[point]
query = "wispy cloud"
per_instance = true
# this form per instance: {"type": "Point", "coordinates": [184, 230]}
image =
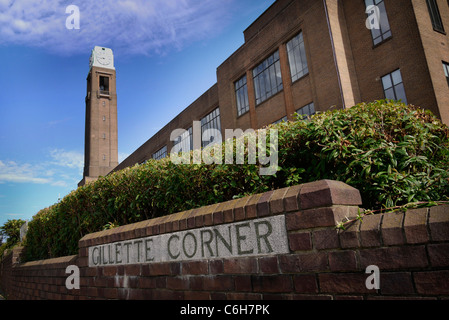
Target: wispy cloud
{"type": "Point", "coordinates": [63, 168]}
{"type": "Point", "coordinates": [20, 173]}
{"type": "Point", "coordinates": [128, 26]}
{"type": "Point", "coordinates": [68, 159]}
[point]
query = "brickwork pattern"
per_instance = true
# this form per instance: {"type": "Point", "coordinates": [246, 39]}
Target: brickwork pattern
{"type": "Point", "coordinates": [411, 250]}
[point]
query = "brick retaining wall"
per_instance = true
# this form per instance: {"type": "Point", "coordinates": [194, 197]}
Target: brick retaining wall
{"type": "Point", "coordinates": [411, 250]}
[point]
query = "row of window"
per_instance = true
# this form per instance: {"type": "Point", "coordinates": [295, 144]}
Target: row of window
{"type": "Point", "coordinates": [393, 87]}
{"type": "Point", "coordinates": [184, 142]}
{"type": "Point", "coordinates": [267, 76]}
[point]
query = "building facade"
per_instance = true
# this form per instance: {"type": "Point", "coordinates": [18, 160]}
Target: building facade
{"type": "Point", "coordinates": [310, 56]}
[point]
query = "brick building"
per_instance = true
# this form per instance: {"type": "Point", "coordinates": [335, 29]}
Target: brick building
{"type": "Point", "coordinates": [308, 56]}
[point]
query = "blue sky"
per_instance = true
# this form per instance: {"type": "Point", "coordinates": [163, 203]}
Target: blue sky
{"type": "Point", "coordinates": [158, 45]}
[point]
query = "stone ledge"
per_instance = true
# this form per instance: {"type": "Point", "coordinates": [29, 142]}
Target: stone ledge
{"type": "Point", "coordinates": [325, 193]}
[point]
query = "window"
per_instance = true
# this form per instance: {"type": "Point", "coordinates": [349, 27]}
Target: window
{"type": "Point", "coordinates": [306, 111]}
{"type": "Point", "coordinates": [297, 57]}
{"type": "Point", "coordinates": [435, 17]}
{"type": "Point", "coordinates": [211, 121]}
{"type": "Point", "coordinates": [104, 85]}
{"type": "Point", "coordinates": [241, 94]}
{"type": "Point", "coordinates": [160, 154]}
{"type": "Point", "coordinates": [393, 86]}
{"type": "Point", "coordinates": [184, 142]}
{"type": "Point", "coordinates": [267, 78]}
{"type": "Point", "coordinates": [380, 30]}
{"type": "Point", "coordinates": [446, 71]}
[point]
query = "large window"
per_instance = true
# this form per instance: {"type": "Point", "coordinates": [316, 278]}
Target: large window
{"type": "Point", "coordinates": [241, 94]}
{"type": "Point", "coordinates": [297, 57]}
{"type": "Point", "coordinates": [393, 86]}
{"type": "Point", "coordinates": [379, 25]}
{"type": "Point", "coordinates": [184, 142]}
{"type": "Point", "coordinates": [435, 16]}
{"type": "Point", "coordinates": [267, 78]}
{"type": "Point", "coordinates": [446, 71]}
{"type": "Point", "coordinates": [160, 154]}
{"type": "Point", "coordinates": [211, 121]}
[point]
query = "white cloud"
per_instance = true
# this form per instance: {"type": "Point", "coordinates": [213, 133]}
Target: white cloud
{"type": "Point", "coordinates": [20, 173]}
{"type": "Point", "coordinates": [128, 26]}
{"type": "Point", "coordinates": [68, 159]}
{"type": "Point", "coordinates": [65, 168]}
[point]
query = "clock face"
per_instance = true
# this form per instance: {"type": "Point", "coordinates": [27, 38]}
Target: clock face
{"type": "Point", "coordinates": [103, 58]}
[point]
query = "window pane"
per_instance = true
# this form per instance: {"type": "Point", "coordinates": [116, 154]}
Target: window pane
{"type": "Point", "coordinates": [396, 77]}
{"type": "Point", "coordinates": [211, 121]}
{"type": "Point", "coordinates": [241, 93]}
{"type": "Point", "coordinates": [297, 57]}
{"type": "Point", "coordinates": [160, 154]}
{"type": "Point", "coordinates": [446, 69]}
{"type": "Point", "coordinates": [400, 93]}
{"type": "Point", "coordinates": [389, 94]}
{"type": "Point", "coordinates": [386, 81]}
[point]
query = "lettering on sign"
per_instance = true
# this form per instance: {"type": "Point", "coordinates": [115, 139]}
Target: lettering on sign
{"type": "Point", "coordinates": [251, 238]}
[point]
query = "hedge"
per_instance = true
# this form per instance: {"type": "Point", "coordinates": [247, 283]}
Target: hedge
{"type": "Point", "coordinates": [393, 153]}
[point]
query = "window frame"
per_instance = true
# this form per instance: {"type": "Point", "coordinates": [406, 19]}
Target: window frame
{"type": "Point", "coordinates": [292, 57]}
{"type": "Point", "coordinates": [394, 86]}
{"type": "Point", "coordinates": [207, 121]}
{"type": "Point", "coordinates": [384, 34]}
{"type": "Point", "coordinates": [435, 16]}
{"type": "Point", "coordinates": [306, 115]}
{"type": "Point", "coordinates": [181, 140]}
{"type": "Point", "coordinates": [262, 75]}
{"type": "Point", "coordinates": [446, 71]}
{"type": "Point", "coordinates": [159, 154]}
{"type": "Point", "coordinates": [241, 93]}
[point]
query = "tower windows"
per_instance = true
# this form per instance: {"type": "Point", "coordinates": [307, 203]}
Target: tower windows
{"type": "Point", "coordinates": [104, 85]}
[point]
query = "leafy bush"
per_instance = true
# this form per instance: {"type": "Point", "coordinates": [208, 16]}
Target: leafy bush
{"type": "Point", "coordinates": [393, 153]}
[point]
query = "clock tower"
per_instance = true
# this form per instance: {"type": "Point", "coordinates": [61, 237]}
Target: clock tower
{"type": "Point", "coordinates": [101, 143]}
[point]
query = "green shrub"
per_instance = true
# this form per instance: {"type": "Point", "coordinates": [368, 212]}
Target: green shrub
{"type": "Point", "coordinates": [393, 153]}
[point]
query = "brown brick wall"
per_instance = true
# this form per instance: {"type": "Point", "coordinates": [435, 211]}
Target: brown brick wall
{"type": "Point", "coordinates": [410, 249]}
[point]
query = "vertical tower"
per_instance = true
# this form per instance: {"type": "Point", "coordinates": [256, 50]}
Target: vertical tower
{"type": "Point", "coordinates": [101, 143]}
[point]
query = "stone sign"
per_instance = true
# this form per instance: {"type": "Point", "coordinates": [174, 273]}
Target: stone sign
{"type": "Point", "coordinates": [265, 236]}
